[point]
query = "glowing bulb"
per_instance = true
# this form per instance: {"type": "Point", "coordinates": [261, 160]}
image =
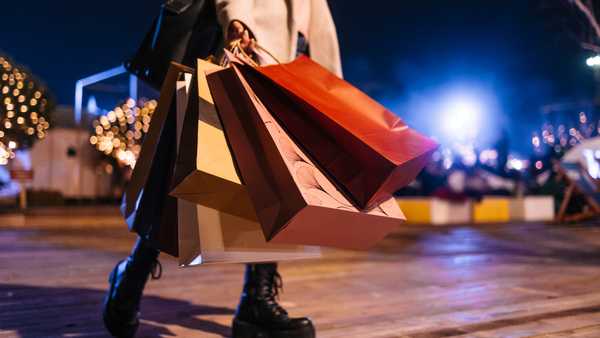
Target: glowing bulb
{"type": "Point", "coordinates": [461, 117]}
{"type": "Point", "coordinates": [593, 61]}
{"type": "Point", "coordinates": [517, 164]}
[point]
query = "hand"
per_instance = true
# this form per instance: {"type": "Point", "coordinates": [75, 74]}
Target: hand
{"type": "Point", "coordinates": [238, 31]}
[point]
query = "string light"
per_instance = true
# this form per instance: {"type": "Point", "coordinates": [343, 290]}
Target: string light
{"type": "Point", "coordinates": [24, 109]}
{"type": "Point", "coordinates": [119, 133]}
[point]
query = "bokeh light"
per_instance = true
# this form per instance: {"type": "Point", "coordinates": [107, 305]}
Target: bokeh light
{"type": "Point", "coordinates": [461, 117]}
{"type": "Point", "coordinates": [24, 109]}
{"type": "Point", "coordinates": [120, 132]}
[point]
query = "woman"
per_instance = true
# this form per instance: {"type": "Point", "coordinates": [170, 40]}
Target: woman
{"type": "Point", "coordinates": [286, 28]}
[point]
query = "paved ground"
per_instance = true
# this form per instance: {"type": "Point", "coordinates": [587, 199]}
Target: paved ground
{"type": "Point", "coordinates": [515, 280]}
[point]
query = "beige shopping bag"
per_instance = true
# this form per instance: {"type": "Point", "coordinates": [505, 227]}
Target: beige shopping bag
{"type": "Point", "coordinates": [217, 222]}
{"type": "Point", "coordinates": [226, 238]}
{"type": "Point", "coordinates": [205, 171]}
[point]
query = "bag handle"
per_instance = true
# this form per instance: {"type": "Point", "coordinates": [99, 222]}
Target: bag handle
{"type": "Point", "coordinates": [236, 48]}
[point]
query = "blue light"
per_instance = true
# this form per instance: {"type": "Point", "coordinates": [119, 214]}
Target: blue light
{"type": "Point", "coordinates": [92, 105]}
{"type": "Point", "coordinates": [461, 116]}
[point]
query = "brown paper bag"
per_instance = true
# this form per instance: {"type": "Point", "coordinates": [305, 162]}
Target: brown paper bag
{"type": "Point", "coordinates": [205, 172]}
{"type": "Point", "coordinates": [209, 185]}
{"type": "Point", "coordinates": [294, 201]}
{"type": "Point", "coordinates": [146, 206]}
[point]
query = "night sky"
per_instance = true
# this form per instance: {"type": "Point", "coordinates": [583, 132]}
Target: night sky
{"type": "Point", "coordinates": [407, 54]}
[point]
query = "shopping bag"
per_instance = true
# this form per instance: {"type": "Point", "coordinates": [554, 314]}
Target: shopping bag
{"type": "Point", "coordinates": [294, 201]}
{"type": "Point", "coordinates": [365, 149]}
{"type": "Point", "coordinates": [207, 178]}
{"type": "Point", "coordinates": [209, 236]}
{"type": "Point", "coordinates": [147, 207]}
{"type": "Point", "coordinates": [205, 171]}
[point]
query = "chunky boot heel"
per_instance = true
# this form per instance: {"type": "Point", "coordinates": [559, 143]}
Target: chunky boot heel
{"type": "Point", "coordinates": [242, 329]}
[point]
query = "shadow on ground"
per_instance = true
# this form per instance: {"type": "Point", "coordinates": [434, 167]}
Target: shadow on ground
{"type": "Point", "coordinates": [32, 311]}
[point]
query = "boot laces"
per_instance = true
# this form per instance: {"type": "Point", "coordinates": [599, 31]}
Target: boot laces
{"type": "Point", "coordinates": [156, 271]}
{"type": "Point", "coordinates": [273, 290]}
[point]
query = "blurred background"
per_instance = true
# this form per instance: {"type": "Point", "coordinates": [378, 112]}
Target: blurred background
{"type": "Point", "coordinates": [507, 87]}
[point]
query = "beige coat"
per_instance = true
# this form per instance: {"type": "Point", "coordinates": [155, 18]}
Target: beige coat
{"type": "Point", "coordinates": [272, 24]}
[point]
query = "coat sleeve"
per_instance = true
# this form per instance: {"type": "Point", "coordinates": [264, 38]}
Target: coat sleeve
{"type": "Point", "coordinates": [231, 10]}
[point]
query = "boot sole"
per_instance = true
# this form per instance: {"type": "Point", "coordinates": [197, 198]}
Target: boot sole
{"type": "Point", "coordinates": [305, 332]}
{"type": "Point", "coordinates": [242, 329]}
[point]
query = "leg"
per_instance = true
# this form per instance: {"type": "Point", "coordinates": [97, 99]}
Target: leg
{"type": "Point", "coordinates": [565, 203]}
{"type": "Point", "coordinates": [126, 285]}
{"type": "Point", "coordinates": [259, 315]}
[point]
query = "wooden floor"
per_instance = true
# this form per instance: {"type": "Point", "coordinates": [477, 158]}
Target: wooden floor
{"type": "Point", "coordinates": [495, 281]}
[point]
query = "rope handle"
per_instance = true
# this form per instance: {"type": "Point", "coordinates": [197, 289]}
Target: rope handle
{"type": "Point", "coordinates": [236, 48]}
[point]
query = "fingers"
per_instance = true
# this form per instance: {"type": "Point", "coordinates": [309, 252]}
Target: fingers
{"type": "Point", "coordinates": [252, 44]}
{"type": "Point", "coordinates": [245, 43]}
{"type": "Point", "coordinates": [236, 30]}
{"type": "Point", "coordinates": [240, 29]}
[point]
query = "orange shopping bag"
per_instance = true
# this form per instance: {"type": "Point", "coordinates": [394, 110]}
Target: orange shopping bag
{"type": "Point", "coordinates": [365, 149]}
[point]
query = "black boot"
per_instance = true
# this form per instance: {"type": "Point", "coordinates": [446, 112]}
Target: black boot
{"type": "Point", "coordinates": [126, 285]}
{"type": "Point", "coordinates": [259, 315]}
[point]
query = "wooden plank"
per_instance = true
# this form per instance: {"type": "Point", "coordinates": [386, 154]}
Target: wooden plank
{"type": "Point", "coordinates": [491, 281]}
{"type": "Point", "coordinates": [591, 331]}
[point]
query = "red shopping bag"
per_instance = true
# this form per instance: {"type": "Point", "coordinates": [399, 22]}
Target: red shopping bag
{"type": "Point", "coordinates": [368, 151]}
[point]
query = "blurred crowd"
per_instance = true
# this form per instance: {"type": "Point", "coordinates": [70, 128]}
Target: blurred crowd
{"type": "Point", "coordinates": [460, 171]}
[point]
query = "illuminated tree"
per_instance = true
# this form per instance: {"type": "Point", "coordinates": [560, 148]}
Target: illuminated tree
{"type": "Point", "coordinates": [120, 132]}
{"type": "Point", "coordinates": [24, 109]}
